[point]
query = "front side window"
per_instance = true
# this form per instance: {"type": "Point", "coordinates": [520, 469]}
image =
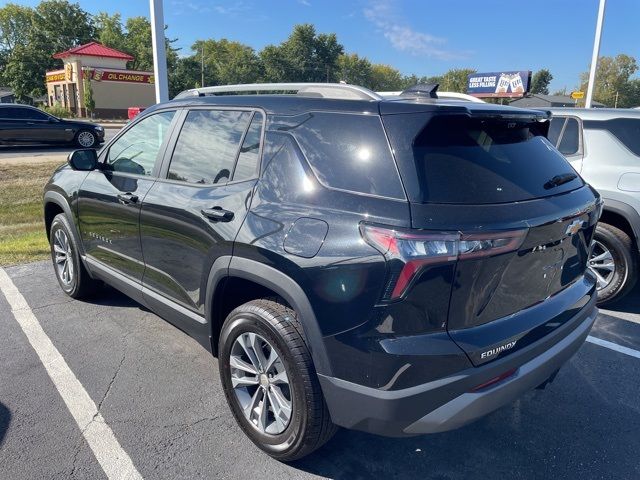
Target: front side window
{"type": "Point", "coordinates": [207, 147]}
{"type": "Point", "coordinates": [137, 149]}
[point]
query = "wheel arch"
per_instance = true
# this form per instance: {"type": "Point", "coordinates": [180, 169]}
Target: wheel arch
{"type": "Point", "coordinates": [622, 216]}
{"type": "Point", "coordinates": [230, 275]}
{"type": "Point", "coordinates": [54, 204]}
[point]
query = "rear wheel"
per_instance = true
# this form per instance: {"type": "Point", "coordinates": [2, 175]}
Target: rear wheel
{"type": "Point", "coordinates": [614, 262]}
{"type": "Point", "coordinates": [70, 271]}
{"type": "Point", "coordinates": [270, 382]}
{"type": "Point", "coordinates": [86, 139]}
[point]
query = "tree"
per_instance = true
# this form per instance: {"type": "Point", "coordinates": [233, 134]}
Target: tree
{"type": "Point", "coordinates": [541, 81]}
{"type": "Point", "coordinates": [303, 57]}
{"type": "Point", "coordinates": [354, 69]}
{"type": "Point", "coordinates": [30, 36]}
{"type": "Point", "coordinates": [184, 76]}
{"type": "Point", "coordinates": [456, 80]}
{"type": "Point", "coordinates": [89, 102]}
{"type": "Point", "coordinates": [227, 62]}
{"type": "Point", "coordinates": [385, 78]}
{"type": "Point", "coordinates": [109, 31]}
{"type": "Point", "coordinates": [613, 85]}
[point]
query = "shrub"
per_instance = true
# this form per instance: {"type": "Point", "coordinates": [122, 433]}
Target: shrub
{"type": "Point", "coordinates": [58, 111]}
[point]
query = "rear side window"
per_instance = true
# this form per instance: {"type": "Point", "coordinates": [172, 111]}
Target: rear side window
{"type": "Point", "coordinates": [463, 160]}
{"type": "Point", "coordinates": [555, 129]}
{"type": "Point", "coordinates": [23, 114]}
{"type": "Point", "coordinates": [249, 157]}
{"type": "Point", "coordinates": [207, 147]}
{"type": "Point", "coordinates": [348, 152]}
{"type": "Point", "coordinates": [627, 130]}
{"type": "Point", "coordinates": [570, 143]}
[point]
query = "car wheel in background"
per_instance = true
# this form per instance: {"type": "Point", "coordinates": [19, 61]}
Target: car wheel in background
{"type": "Point", "coordinates": [614, 262]}
{"type": "Point", "coordinates": [270, 382]}
{"type": "Point", "coordinates": [70, 271]}
{"type": "Point", "coordinates": [86, 139]}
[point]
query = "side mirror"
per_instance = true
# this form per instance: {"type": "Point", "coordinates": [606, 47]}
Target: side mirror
{"type": "Point", "coordinates": [84, 160]}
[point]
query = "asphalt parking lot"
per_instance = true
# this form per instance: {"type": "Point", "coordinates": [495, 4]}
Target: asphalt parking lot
{"type": "Point", "coordinates": [159, 392]}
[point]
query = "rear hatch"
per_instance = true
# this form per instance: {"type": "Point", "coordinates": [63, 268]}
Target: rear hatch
{"type": "Point", "coordinates": [524, 219]}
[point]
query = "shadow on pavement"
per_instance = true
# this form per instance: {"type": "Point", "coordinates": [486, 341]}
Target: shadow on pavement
{"type": "Point", "coordinates": [628, 304]}
{"type": "Point", "coordinates": [5, 420]}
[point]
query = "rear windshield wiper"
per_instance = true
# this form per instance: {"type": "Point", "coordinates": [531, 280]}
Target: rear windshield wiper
{"type": "Point", "coordinates": [560, 180]}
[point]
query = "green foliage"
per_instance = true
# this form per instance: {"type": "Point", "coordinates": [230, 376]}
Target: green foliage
{"type": "Point", "coordinates": [226, 62]}
{"type": "Point", "coordinates": [613, 79]}
{"type": "Point", "coordinates": [59, 111]}
{"type": "Point", "coordinates": [541, 81]}
{"type": "Point", "coordinates": [303, 57]}
{"type": "Point", "coordinates": [89, 102]}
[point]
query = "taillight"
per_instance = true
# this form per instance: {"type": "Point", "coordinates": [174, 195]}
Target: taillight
{"type": "Point", "coordinates": [415, 249]}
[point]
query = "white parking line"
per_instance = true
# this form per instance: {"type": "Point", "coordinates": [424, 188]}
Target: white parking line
{"type": "Point", "coordinates": [629, 317]}
{"type": "Point", "coordinates": [614, 346]}
{"type": "Point", "coordinates": [110, 455]}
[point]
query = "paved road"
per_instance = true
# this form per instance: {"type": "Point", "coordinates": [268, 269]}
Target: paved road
{"type": "Point", "coordinates": [44, 153]}
{"type": "Point", "coordinates": [159, 392]}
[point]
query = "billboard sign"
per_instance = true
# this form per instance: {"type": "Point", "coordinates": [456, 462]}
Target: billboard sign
{"type": "Point", "coordinates": [499, 84]}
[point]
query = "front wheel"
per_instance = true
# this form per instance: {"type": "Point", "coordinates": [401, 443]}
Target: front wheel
{"type": "Point", "coordinates": [270, 381]}
{"type": "Point", "coordinates": [613, 261]}
{"type": "Point", "coordinates": [70, 271]}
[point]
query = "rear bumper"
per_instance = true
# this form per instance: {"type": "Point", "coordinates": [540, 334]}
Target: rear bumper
{"type": "Point", "coordinates": [449, 402]}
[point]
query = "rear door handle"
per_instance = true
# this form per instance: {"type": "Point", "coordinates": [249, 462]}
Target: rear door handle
{"type": "Point", "coordinates": [217, 214]}
{"type": "Point", "coordinates": [127, 198]}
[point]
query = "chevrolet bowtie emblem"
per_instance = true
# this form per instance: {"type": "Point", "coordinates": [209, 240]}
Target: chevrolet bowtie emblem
{"type": "Point", "coordinates": [574, 227]}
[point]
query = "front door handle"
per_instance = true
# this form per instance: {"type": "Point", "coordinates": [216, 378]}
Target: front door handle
{"type": "Point", "coordinates": [127, 198]}
{"type": "Point", "coordinates": [217, 214]}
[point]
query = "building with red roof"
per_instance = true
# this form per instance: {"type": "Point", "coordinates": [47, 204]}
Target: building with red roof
{"type": "Point", "coordinates": [103, 70]}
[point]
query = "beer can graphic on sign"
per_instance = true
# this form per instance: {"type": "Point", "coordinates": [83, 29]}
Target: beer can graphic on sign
{"type": "Point", "coordinates": [516, 83]}
{"type": "Point", "coordinates": [503, 84]}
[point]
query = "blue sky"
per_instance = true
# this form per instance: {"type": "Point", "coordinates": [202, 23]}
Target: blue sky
{"type": "Point", "coordinates": [424, 37]}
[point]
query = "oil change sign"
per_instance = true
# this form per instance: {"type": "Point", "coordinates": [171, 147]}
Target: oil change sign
{"type": "Point", "coordinates": [100, 75]}
{"type": "Point", "coordinates": [499, 84]}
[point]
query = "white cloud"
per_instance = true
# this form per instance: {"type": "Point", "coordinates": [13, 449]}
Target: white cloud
{"type": "Point", "coordinates": [404, 38]}
{"type": "Point", "coordinates": [306, 3]}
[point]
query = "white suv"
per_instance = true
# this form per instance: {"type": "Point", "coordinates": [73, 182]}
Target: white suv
{"type": "Point", "coordinates": [603, 145]}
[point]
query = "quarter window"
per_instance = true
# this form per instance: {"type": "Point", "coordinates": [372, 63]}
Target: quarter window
{"type": "Point", "coordinates": [555, 129]}
{"type": "Point", "coordinates": [137, 149]}
{"type": "Point", "coordinates": [627, 130]}
{"type": "Point", "coordinates": [207, 147]}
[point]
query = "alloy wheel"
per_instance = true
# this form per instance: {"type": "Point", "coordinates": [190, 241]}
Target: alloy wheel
{"type": "Point", "coordinates": [601, 264]}
{"type": "Point", "coordinates": [62, 256]}
{"type": "Point", "coordinates": [86, 139]}
{"type": "Point", "coordinates": [260, 383]}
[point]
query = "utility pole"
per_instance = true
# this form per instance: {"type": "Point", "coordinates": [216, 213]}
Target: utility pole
{"type": "Point", "coordinates": [596, 54]}
{"type": "Point", "coordinates": [159, 51]}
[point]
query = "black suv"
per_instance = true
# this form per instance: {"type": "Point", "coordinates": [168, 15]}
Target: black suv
{"type": "Point", "coordinates": [400, 266]}
{"type": "Point", "coordinates": [22, 125]}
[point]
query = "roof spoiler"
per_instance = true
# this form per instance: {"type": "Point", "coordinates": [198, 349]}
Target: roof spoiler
{"type": "Point", "coordinates": [421, 90]}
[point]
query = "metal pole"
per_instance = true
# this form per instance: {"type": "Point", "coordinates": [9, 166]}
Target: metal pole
{"type": "Point", "coordinates": [202, 65]}
{"type": "Point", "coordinates": [159, 52]}
{"type": "Point", "coordinates": [596, 54]}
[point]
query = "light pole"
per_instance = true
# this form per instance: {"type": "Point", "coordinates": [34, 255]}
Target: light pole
{"type": "Point", "coordinates": [595, 55]}
{"type": "Point", "coordinates": [159, 51]}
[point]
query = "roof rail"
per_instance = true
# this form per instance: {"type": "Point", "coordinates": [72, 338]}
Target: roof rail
{"type": "Point", "coordinates": [340, 91]}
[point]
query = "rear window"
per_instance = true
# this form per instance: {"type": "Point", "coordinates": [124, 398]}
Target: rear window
{"type": "Point", "coordinates": [627, 130]}
{"type": "Point", "coordinates": [348, 152]}
{"type": "Point", "coordinates": [463, 160]}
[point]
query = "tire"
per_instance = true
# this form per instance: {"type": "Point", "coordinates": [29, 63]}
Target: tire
{"type": "Point", "coordinates": [275, 328]}
{"type": "Point", "coordinates": [86, 139]}
{"type": "Point", "coordinates": [612, 286]}
{"type": "Point", "coordinates": [71, 273]}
